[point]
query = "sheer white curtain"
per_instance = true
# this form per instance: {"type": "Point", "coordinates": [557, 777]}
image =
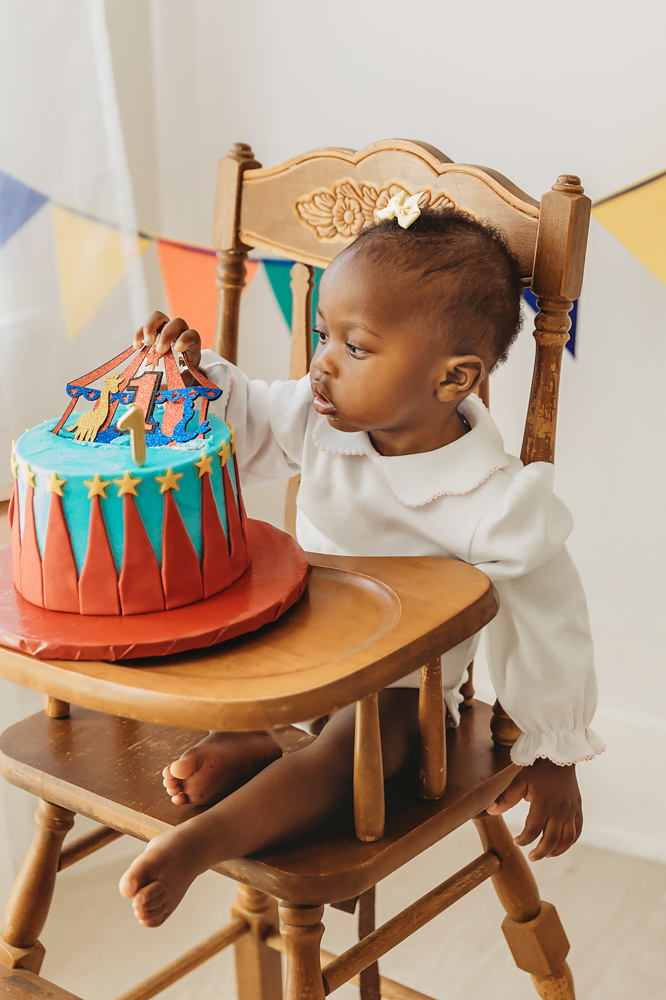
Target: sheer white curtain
{"type": "Point", "coordinates": [60, 134]}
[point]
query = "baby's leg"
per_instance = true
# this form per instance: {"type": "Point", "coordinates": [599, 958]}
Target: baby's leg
{"type": "Point", "coordinates": [217, 765]}
{"type": "Point", "coordinates": [290, 797]}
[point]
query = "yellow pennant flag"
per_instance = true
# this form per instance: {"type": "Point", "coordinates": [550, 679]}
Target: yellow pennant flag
{"type": "Point", "coordinates": [92, 259]}
{"type": "Point", "coordinates": [637, 218]}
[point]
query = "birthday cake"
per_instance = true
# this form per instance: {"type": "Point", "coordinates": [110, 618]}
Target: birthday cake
{"type": "Point", "coordinates": [133, 506]}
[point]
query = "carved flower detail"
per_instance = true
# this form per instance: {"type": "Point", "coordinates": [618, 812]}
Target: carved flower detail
{"type": "Point", "coordinates": [341, 211]}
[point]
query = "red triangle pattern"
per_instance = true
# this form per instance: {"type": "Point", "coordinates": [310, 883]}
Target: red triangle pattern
{"type": "Point", "coordinates": [246, 537]}
{"type": "Point", "coordinates": [61, 589]}
{"type": "Point", "coordinates": [98, 583]}
{"type": "Point", "coordinates": [238, 554]}
{"type": "Point", "coordinates": [140, 583]}
{"type": "Point", "coordinates": [15, 526]}
{"type": "Point", "coordinates": [215, 562]}
{"type": "Point", "coordinates": [31, 562]}
{"type": "Point", "coordinates": [181, 575]}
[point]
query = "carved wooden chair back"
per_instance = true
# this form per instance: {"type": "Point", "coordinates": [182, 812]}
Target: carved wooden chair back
{"type": "Point", "coordinates": [309, 208]}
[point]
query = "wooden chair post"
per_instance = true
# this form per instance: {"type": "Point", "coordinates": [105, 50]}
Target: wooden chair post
{"type": "Point", "coordinates": [368, 772]}
{"type": "Point", "coordinates": [432, 731]}
{"type": "Point", "coordinates": [231, 273]}
{"type": "Point", "coordinates": [55, 708]}
{"type": "Point", "coordinates": [302, 930]}
{"type": "Point", "coordinates": [559, 262]}
{"type": "Point", "coordinates": [258, 967]}
{"type": "Point", "coordinates": [302, 287]}
{"type": "Point", "coordinates": [531, 927]}
{"type": "Point", "coordinates": [30, 898]}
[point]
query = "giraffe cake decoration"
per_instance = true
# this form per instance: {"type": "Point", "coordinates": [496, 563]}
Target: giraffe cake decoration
{"type": "Point", "coordinates": [132, 506]}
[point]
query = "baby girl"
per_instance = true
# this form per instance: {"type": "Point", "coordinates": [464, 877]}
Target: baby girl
{"type": "Point", "coordinates": [397, 456]}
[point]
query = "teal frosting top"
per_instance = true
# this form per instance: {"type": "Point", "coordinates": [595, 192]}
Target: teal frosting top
{"type": "Point", "coordinates": [77, 461]}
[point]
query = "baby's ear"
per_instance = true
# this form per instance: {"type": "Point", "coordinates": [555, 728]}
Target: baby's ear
{"type": "Point", "coordinates": [460, 376]}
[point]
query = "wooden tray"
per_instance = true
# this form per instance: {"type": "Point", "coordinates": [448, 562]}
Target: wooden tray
{"type": "Point", "coordinates": [361, 624]}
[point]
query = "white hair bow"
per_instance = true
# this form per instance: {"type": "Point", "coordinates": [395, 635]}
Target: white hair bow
{"type": "Point", "coordinates": [402, 208]}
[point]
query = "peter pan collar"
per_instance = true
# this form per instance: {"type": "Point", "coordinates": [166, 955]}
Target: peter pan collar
{"type": "Point", "coordinates": [415, 480]}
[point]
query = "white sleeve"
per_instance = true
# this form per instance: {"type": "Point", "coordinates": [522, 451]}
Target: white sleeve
{"type": "Point", "coordinates": [270, 421]}
{"type": "Point", "coordinates": [539, 645]}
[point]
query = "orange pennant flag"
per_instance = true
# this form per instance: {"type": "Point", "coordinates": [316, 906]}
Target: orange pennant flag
{"type": "Point", "coordinates": [188, 273]}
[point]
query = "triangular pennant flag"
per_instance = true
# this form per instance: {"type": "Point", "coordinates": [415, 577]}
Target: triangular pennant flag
{"type": "Point", "coordinates": [92, 260]}
{"type": "Point", "coordinates": [637, 218]}
{"type": "Point", "coordinates": [531, 300]}
{"type": "Point", "coordinates": [18, 204]}
{"type": "Point", "coordinates": [188, 273]}
{"type": "Point", "coordinates": [278, 273]}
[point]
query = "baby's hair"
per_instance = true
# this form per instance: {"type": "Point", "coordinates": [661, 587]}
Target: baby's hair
{"type": "Point", "coordinates": [478, 309]}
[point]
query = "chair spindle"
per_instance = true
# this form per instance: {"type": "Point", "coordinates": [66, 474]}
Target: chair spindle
{"type": "Point", "coordinates": [368, 772]}
{"type": "Point", "coordinates": [302, 287]}
{"type": "Point", "coordinates": [432, 731]}
{"type": "Point", "coordinates": [230, 277]}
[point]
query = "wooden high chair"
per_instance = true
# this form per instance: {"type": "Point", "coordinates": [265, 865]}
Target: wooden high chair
{"type": "Point", "coordinates": [108, 766]}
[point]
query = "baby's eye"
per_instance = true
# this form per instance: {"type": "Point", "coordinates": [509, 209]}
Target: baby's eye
{"type": "Point", "coordinates": [320, 335]}
{"type": "Point", "coordinates": [355, 351]}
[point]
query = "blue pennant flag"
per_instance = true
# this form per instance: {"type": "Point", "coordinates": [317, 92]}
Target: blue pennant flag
{"type": "Point", "coordinates": [531, 300]}
{"type": "Point", "coordinates": [18, 204]}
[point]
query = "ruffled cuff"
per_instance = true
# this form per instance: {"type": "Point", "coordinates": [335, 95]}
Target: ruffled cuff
{"type": "Point", "coordinates": [562, 748]}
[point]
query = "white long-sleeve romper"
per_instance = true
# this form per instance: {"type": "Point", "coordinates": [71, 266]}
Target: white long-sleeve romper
{"type": "Point", "coordinates": [469, 500]}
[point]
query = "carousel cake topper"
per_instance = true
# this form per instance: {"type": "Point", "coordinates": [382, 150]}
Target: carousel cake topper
{"type": "Point", "coordinates": [139, 387]}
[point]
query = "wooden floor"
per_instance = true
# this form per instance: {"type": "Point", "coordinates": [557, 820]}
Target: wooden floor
{"type": "Point", "coordinates": [613, 907]}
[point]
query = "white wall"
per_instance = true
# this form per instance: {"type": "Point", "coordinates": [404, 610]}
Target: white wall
{"type": "Point", "coordinates": [534, 90]}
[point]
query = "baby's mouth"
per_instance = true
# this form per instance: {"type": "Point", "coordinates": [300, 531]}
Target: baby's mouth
{"type": "Point", "coordinates": [322, 404]}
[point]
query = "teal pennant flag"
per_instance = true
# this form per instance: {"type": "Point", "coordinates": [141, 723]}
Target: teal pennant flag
{"type": "Point", "coordinates": [18, 204]}
{"type": "Point", "coordinates": [277, 272]}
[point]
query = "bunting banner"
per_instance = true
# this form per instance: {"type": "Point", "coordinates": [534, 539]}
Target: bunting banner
{"type": "Point", "coordinates": [18, 204]}
{"type": "Point", "coordinates": [278, 274]}
{"type": "Point", "coordinates": [92, 259]}
{"type": "Point", "coordinates": [636, 216]}
{"type": "Point", "coordinates": [93, 256]}
{"type": "Point", "coordinates": [188, 274]}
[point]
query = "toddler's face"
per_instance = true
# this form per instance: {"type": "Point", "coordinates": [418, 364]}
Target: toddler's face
{"type": "Point", "coordinates": [374, 368]}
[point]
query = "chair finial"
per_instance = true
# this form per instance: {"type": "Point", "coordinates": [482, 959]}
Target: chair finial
{"type": "Point", "coordinates": [569, 183]}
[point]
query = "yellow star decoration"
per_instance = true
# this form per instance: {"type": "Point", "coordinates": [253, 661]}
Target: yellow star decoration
{"type": "Point", "coordinates": [97, 486]}
{"type": "Point", "coordinates": [205, 464]}
{"type": "Point", "coordinates": [127, 484]}
{"type": "Point", "coordinates": [53, 484]}
{"type": "Point", "coordinates": [14, 463]}
{"type": "Point", "coordinates": [29, 475]}
{"type": "Point", "coordinates": [169, 481]}
{"type": "Point", "coordinates": [223, 453]}
{"type": "Point", "coordinates": [232, 438]}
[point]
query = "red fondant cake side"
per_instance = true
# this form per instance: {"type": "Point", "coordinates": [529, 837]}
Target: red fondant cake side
{"type": "Point", "coordinates": [15, 527]}
{"type": "Point", "coordinates": [181, 575]}
{"type": "Point", "coordinates": [31, 562]}
{"type": "Point", "coordinates": [215, 562]}
{"type": "Point", "coordinates": [61, 587]}
{"type": "Point", "coordinates": [98, 584]}
{"type": "Point", "coordinates": [140, 582]}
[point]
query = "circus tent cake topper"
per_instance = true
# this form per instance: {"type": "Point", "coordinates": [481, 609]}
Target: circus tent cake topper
{"type": "Point", "coordinates": [170, 414]}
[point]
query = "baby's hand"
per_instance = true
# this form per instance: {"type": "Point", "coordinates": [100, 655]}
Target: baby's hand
{"type": "Point", "coordinates": [555, 807]}
{"type": "Point", "coordinates": [166, 333]}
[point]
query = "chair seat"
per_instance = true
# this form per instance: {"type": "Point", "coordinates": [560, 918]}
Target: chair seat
{"type": "Point", "coordinates": [110, 769]}
{"type": "Point", "coordinates": [17, 984]}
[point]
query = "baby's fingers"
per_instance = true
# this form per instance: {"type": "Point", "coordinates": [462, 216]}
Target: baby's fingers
{"type": "Point", "coordinates": [148, 333]}
{"type": "Point", "coordinates": [170, 333]}
{"type": "Point", "coordinates": [509, 797]}
{"type": "Point", "coordinates": [568, 836]}
{"type": "Point", "coordinates": [548, 846]}
{"type": "Point", "coordinates": [534, 825]}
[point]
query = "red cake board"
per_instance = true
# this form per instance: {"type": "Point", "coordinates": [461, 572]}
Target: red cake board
{"type": "Point", "coordinates": [275, 579]}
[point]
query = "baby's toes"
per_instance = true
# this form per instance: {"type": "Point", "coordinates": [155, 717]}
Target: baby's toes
{"type": "Point", "coordinates": [184, 768]}
{"type": "Point", "coordinates": [155, 919]}
{"type": "Point", "coordinates": [180, 799]}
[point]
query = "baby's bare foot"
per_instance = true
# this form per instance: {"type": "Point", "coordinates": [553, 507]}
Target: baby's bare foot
{"type": "Point", "coordinates": [159, 878]}
{"type": "Point", "coordinates": [217, 765]}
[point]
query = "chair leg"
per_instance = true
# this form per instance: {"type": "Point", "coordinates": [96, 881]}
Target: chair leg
{"type": "Point", "coordinates": [258, 967]}
{"type": "Point", "coordinates": [532, 927]}
{"type": "Point", "coordinates": [302, 929]}
{"type": "Point", "coordinates": [30, 898]}
{"type": "Point", "coordinates": [366, 924]}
